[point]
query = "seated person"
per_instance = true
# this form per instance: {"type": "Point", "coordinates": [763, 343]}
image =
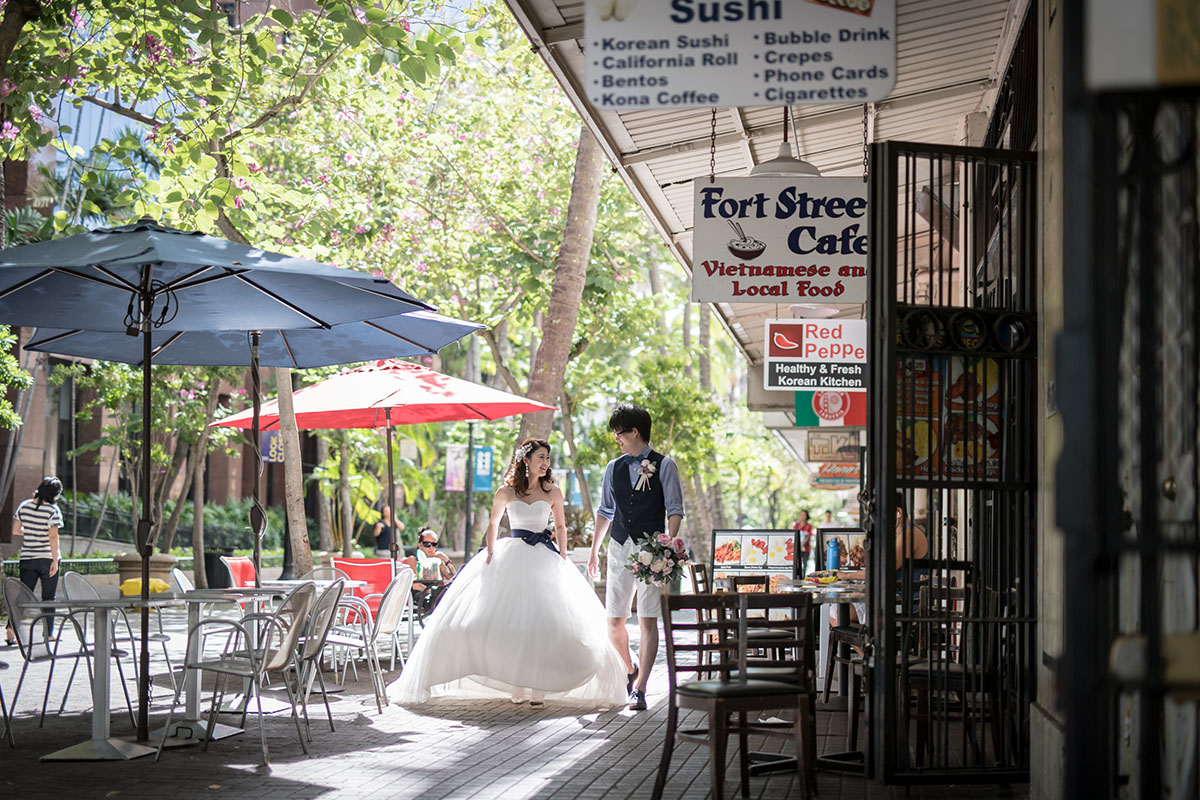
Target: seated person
{"type": "Point", "coordinates": [911, 545]}
{"type": "Point", "coordinates": [428, 555]}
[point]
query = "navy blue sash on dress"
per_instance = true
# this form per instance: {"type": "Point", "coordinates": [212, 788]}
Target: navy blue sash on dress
{"type": "Point", "coordinates": [533, 539]}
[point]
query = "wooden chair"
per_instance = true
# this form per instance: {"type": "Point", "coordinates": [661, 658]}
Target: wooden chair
{"type": "Point", "coordinates": [701, 584]}
{"type": "Point", "coordinates": [751, 583]}
{"type": "Point", "coordinates": [713, 651]}
{"type": "Point", "coordinates": [949, 671]}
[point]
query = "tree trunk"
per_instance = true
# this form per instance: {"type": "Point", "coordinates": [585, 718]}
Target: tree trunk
{"type": "Point", "coordinates": [687, 336]}
{"type": "Point", "coordinates": [167, 538]}
{"type": "Point", "coordinates": [569, 435]}
{"type": "Point", "coordinates": [344, 497]}
{"type": "Point", "coordinates": [324, 526]}
{"type": "Point", "coordinates": [655, 290]}
{"type": "Point", "coordinates": [199, 465]}
{"type": "Point", "coordinates": [293, 474]}
{"type": "Point", "coordinates": [702, 509]}
{"type": "Point", "coordinates": [710, 496]}
{"type": "Point", "coordinates": [199, 576]}
{"type": "Point", "coordinates": [558, 332]}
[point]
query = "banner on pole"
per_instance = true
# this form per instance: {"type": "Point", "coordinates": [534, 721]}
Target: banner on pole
{"type": "Point", "coordinates": [456, 467]}
{"type": "Point", "coordinates": [272, 447]}
{"type": "Point", "coordinates": [483, 469]}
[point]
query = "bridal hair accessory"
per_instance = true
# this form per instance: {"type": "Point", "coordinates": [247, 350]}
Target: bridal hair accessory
{"type": "Point", "coordinates": [524, 450]}
{"type": "Point", "coordinates": [645, 473]}
{"type": "Point", "coordinates": [660, 560]}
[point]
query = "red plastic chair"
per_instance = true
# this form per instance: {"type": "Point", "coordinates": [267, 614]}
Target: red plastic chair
{"type": "Point", "coordinates": [241, 570]}
{"type": "Point", "coordinates": [375, 572]}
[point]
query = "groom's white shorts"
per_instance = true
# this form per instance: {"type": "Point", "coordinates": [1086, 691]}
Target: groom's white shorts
{"type": "Point", "coordinates": [620, 585]}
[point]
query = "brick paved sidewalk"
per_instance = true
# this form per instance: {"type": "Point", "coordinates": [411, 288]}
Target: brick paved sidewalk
{"type": "Point", "coordinates": [451, 749]}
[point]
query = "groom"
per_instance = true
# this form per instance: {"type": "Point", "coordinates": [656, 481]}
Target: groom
{"type": "Point", "coordinates": [640, 492]}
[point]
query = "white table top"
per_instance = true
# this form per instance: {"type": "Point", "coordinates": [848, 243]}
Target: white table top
{"type": "Point", "coordinates": [321, 583]}
{"type": "Point", "coordinates": [161, 599]}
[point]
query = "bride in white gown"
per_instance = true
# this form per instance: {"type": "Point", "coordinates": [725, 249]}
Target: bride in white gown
{"type": "Point", "coordinates": [519, 617]}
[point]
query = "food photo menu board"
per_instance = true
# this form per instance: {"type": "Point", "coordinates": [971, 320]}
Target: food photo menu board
{"type": "Point", "coordinates": [755, 552]}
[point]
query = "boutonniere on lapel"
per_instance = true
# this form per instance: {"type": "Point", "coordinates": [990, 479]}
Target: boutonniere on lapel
{"type": "Point", "coordinates": [645, 473]}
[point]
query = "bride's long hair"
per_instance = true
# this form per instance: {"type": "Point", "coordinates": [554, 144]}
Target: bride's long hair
{"type": "Point", "coordinates": [518, 471]}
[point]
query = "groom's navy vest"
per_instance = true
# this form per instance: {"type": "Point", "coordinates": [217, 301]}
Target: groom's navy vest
{"type": "Point", "coordinates": [639, 513]}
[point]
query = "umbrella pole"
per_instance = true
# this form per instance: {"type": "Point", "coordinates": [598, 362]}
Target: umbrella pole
{"type": "Point", "coordinates": [393, 546]}
{"type": "Point", "coordinates": [257, 515]}
{"type": "Point", "coordinates": [469, 486]}
{"type": "Point", "coordinates": [145, 525]}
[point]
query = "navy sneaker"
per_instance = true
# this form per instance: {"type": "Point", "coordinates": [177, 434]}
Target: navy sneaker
{"type": "Point", "coordinates": [637, 700]}
{"type": "Point", "coordinates": [630, 679]}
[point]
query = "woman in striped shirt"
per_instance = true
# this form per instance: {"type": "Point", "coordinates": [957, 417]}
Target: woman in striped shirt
{"type": "Point", "coordinates": [38, 520]}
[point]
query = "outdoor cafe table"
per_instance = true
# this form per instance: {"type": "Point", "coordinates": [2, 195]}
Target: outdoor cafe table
{"type": "Point", "coordinates": [101, 746]}
{"type": "Point", "coordinates": [842, 595]}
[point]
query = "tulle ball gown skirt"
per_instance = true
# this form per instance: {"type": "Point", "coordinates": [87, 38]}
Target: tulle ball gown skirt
{"type": "Point", "coordinates": [529, 620]}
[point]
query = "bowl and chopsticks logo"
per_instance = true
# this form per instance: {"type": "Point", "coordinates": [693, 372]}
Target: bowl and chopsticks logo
{"type": "Point", "coordinates": [743, 245]}
{"type": "Point", "coordinates": [863, 7]}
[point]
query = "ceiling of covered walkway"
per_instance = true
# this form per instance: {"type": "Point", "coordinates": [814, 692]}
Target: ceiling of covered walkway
{"type": "Point", "coordinates": [951, 58]}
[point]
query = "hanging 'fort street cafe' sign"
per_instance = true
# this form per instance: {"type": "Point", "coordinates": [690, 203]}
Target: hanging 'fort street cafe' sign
{"type": "Point", "coordinates": [684, 53]}
{"type": "Point", "coordinates": [780, 240]}
{"type": "Point", "coordinates": [828, 354]}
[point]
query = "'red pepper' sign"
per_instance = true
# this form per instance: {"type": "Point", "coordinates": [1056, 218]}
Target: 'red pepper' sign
{"type": "Point", "coordinates": [816, 354]}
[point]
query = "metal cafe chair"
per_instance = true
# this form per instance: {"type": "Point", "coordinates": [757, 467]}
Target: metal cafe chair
{"type": "Point", "coordinates": [359, 630]}
{"type": "Point", "coordinates": [312, 646]}
{"type": "Point", "coordinates": [713, 651]}
{"type": "Point", "coordinates": [252, 657]}
{"type": "Point", "coordinates": [34, 642]}
{"type": "Point", "coordinates": [324, 574]}
{"type": "Point", "coordinates": [4, 712]}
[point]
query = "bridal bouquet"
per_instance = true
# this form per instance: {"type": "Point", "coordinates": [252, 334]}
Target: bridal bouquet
{"type": "Point", "coordinates": [661, 560]}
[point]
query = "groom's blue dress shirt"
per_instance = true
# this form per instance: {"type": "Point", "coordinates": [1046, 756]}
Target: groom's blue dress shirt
{"type": "Point", "coordinates": [668, 475]}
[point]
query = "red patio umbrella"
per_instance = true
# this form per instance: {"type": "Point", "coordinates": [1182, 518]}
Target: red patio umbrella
{"type": "Point", "coordinates": [391, 392]}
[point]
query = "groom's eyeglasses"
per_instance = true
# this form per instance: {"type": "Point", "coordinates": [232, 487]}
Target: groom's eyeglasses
{"type": "Point", "coordinates": [619, 434]}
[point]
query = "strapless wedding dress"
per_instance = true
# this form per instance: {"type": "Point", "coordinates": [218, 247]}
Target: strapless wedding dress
{"type": "Point", "coordinates": [528, 620]}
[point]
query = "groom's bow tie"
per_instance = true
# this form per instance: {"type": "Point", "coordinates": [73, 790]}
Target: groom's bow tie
{"type": "Point", "coordinates": [627, 459]}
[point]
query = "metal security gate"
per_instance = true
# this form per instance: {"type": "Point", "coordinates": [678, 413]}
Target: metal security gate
{"type": "Point", "coordinates": [950, 503]}
{"type": "Point", "coordinates": [1133, 598]}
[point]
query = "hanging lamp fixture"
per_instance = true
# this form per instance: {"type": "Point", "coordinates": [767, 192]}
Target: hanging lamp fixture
{"type": "Point", "coordinates": [784, 165]}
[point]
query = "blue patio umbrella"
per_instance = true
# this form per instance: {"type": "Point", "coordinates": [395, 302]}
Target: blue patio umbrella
{"type": "Point", "coordinates": [146, 282]}
{"type": "Point", "coordinates": [400, 336]}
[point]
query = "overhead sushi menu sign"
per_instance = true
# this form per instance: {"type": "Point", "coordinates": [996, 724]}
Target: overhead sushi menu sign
{"type": "Point", "coordinates": [682, 53]}
{"type": "Point", "coordinates": [780, 240]}
{"type": "Point", "coordinates": [817, 354]}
